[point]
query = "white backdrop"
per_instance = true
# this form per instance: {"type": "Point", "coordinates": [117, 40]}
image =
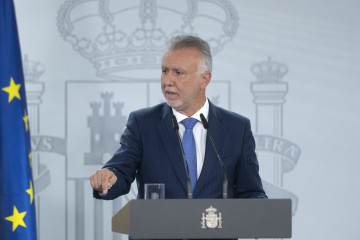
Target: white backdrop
{"type": "Point", "coordinates": [292, 67]}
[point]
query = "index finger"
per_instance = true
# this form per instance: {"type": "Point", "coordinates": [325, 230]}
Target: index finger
{"type": "Point", "coordinates": [105, 180]}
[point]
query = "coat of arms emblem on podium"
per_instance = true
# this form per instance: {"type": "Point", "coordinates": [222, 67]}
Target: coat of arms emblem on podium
{"type": "Point", "coordinates": [211, 219]}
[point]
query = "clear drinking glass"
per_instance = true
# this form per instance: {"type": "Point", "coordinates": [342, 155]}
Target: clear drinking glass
{"type": "Point", "coordinates": [154, 191]}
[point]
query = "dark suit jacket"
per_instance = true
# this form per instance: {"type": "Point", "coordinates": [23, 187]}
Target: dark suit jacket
{"type": "Point", "coordinates": [150, 152]}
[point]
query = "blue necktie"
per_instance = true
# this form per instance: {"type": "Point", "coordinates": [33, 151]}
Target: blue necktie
{"type": "Point", "coordinates": [189, 146]}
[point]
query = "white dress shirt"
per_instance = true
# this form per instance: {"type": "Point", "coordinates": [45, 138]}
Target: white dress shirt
{"type": "Point", "coordinates": [198, 131]}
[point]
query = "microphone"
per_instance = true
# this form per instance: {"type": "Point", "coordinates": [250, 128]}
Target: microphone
{"type": "Point", "coordinates": [225, 181]}
{"type": "Point", "coordinates": [188, 181]}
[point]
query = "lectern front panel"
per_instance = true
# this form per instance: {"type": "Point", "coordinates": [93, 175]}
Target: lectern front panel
{"type": "Point", "coordinates": [210, 218]}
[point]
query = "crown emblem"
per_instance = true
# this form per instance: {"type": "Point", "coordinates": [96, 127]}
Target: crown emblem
{"type": "Point", "coordinates": [211, 210]}
{"type": "Point", "coordinates": [32, 70]}
{"type": "Point", "coordinates": [99, 30]}
{"type": "Point", "coordinates": [269, 71]}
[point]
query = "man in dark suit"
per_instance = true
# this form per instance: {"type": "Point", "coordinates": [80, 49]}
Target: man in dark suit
{"type": "Point", "coordinates": [150, 150]}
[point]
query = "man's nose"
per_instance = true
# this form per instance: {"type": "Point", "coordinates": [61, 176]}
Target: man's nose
{"type": "Point", "coordinates": [169, 79]}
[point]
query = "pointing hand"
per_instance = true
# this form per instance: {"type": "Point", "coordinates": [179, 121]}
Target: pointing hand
{"type": "Point", "coordinates": [102, 180]}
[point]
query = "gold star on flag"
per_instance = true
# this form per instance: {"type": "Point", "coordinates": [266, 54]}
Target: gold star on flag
{"type": "Point", "coordinates": [26, 120]}
{"type": "Point", "coordinates": [17, 219]}
{"type": "Point", "coordinates": [13, 90]}
{"type": "Point", "coordinates": [30, 159]}
{"type": "Point", "coordinates": [30, 191]}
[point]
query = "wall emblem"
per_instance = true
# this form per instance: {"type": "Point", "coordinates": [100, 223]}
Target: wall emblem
{"type": "Point", "coordinates": [269, 91]}
{"type": "Point", "coordinates": [124, 41]}
{"type": "Point", "coordinates": [211, 219]}
{"type": "Point", "coordinates": [115, 49]}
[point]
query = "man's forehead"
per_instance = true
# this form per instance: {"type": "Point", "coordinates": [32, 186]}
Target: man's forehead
{"type": "Point", "coordinates": [180, 55]}
{"type": "Point", "coordinates": [180, 50]}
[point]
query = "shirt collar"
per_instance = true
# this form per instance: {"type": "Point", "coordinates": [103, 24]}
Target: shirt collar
{"type": "Point", "coordinates": [204, 110]}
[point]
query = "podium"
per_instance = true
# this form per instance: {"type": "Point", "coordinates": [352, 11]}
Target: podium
{"type": "Point", "coordinates": [204, 218]}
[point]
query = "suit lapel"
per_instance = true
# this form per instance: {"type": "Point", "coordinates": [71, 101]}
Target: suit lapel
{"type": "Point", "coordinates": [218, 132]}
{"type": "Point", "coordinates": [170, 141]}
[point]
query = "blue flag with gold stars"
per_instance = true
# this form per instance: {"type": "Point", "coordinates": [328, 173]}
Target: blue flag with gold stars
{"type": "Point", "coordinates": [17, 206]}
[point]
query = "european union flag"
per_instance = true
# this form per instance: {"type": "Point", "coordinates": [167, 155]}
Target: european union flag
{"type": "Point", "coordinates": [17, 206]}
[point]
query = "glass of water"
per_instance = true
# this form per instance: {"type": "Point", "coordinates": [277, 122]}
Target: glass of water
{"type": "Point", "coordinates": [154, 191]}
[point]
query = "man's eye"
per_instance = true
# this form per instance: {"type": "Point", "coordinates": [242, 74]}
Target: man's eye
{"type": "Point", "coordinates": [164, 71]}
{"type": "Point", "coordinates": [179, 73]}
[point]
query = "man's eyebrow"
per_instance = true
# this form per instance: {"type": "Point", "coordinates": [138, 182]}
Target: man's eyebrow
{"type": "Point", "coordinates": [173, 69]}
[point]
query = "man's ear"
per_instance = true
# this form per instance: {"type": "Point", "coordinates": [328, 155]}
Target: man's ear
{"type": "Point", "coordinates": [205, 80]}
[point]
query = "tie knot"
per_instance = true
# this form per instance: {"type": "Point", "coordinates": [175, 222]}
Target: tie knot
{"type": "Point", "coordinates": [189, 123]}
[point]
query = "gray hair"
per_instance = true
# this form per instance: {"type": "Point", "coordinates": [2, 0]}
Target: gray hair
{"type": "Point", "coordinates": [182, 41]}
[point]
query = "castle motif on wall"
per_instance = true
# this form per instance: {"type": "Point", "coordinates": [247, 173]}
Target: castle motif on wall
{"type": "Point", "coordinates": [105, 130]}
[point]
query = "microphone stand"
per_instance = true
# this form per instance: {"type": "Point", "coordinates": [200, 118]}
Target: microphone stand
{"type": "Point", "coordinates": [225, 180]}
